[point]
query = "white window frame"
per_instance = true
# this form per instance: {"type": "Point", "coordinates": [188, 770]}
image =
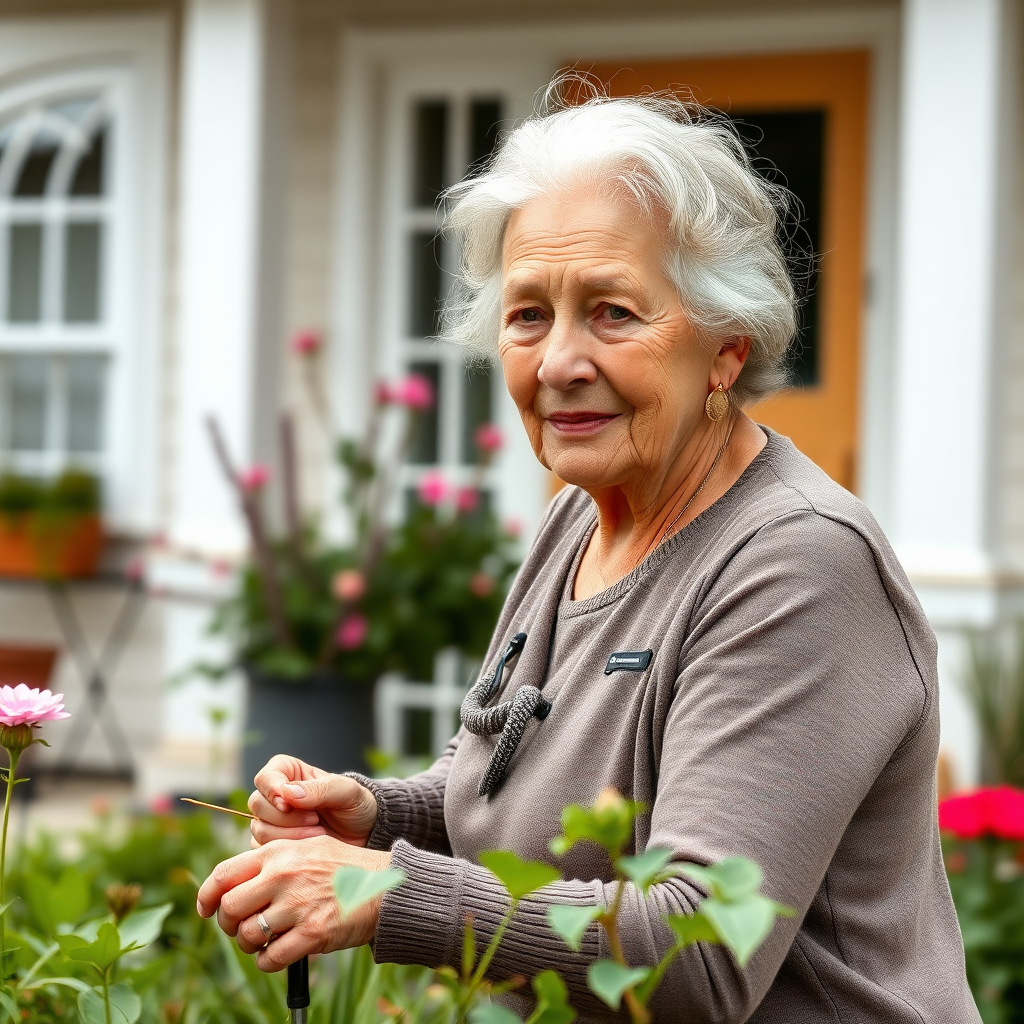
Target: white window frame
{"type": "Point", "coordinates": [126, 59]}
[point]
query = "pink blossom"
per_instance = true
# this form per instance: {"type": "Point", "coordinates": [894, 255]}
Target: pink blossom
{"type": "Point", "coordinates": [161, 804]}
{"type": "Point", "coordinates": [21, 706]}
{"type": "Point", "coordinates": [513, 528]}
{"type": "Point", "coordinates": [348, 585]}
{"type": "Point", "coordinates": [997, 811]}
{"type": "Point", "coordinates": [352, 631]}
{"type": "Point", "coordinates": [306, 343]}
{"type": "Point", "coordinates": [382, 392]}
{"type": "Point", "coordinates": [481, 585]}
{"type": "Point", "coordinates": [467, 499]}
{"type": "Point", "coordinates": [414, 392]}
{"type": "Point", "coordinates": [433, 488]}
{"type": "Point", "coordinates": [254, 478]}
{"type": "Point", "coordinates": [489, 437]}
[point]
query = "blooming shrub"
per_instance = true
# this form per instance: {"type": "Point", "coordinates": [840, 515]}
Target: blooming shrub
{"type": "Point", "coordinates": [983, 844]}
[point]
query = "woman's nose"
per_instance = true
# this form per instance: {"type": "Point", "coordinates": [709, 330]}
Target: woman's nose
{"type": "Point", "coordinates": [567, 358]}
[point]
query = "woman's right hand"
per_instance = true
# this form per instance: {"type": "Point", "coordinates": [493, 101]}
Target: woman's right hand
{"type": "Point", "coordinates": [294, 800]}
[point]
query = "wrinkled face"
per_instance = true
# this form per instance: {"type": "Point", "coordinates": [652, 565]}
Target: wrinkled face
{"type": "Point", "coordinates": [597, 351]}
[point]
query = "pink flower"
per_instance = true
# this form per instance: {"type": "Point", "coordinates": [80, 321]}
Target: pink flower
{"type": "Point", "coordinates": [348, 585]}
{"type": "Point", "coordinates": [352, 631]}
{"type": "Point", "coordinates": [382, 392]}
{"type": "Point", "coordinates": [467, 499]}
{"type": "Point", "coordinates": [481, 585]}
{"type": "Point", "coordinates": [254, 478]}
{"type": "Point", "coordinates": [488, 437]}
{"type": "Point", "coordinates": [306, 343]}
{"type": "Point", "coordinates": [997, 811]}
{"type": "Point", "coordinates": [161, 805]}
{"type": "Point", "coordinates": [433, 488]}
{"type": "Point", "coordinates": [414, 392]}
{"type": "Point", "coordinates": [21, 706]}
{"type": "Point", "coordinates": [513, 528]}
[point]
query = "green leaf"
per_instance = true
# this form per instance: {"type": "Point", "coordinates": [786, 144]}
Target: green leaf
{"type": "Point", "coordinates": [741, 925]}
{"type": "Point", "coordinates": [570, 922]}
{"type": "Point", "coordinates": [124, 1001]}
{"type": "Point", "coordinates": [609, 824]}
{"type": "Point", "coordinates": [520, 877]}
{"type": "Point", "coordinates": [355, 886]}
{"type": "Point", "coordinates": [141, 927]}
{"type": "Point", "coordinates": [53, 904]}
{"type": "Point", "coordinates": [608, 980]}
{"type": "Point", "coordinates": [103, 951]}
{"type": "Point", "coordinates": [90, 1007]}
{"type": "Point", "coordinates": [468, 947]}
{"type": "Point", "coordinates": [491, 1013]}
{"type": "Point", "coordinates": [691, 928]}
{"type": "Point", "coordinates": [552, 1000]}
{"type": "Point", "coordinates": [10, 1008]}
{"type": "Point", "coordinates": [730, 879]}
{"type": "Point", "coordinates": [643, 869]}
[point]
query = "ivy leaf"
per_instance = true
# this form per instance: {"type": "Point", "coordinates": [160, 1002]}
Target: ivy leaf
{"type": "Point", "coordinates": [570, 922]}
{"type": "Point", "coordinates": [608, 980]}
{"type": "Point", "coordinates": [520, 877]}
{"type": "Point", "coordinates": [552, 1000]}
{"type": "Point", "coordinates": [741, 925]}
{"type": "Point", "coordinates": [491, 1013]}
{"type": "Point", "coordinates": [731, 879]}
{"type": "Point", "coordinates": [101, 952]}
{"type": "Point", "coordinates": [141, 927]}
{"type": "Point", "coordinates": [644, 869]}
{"type": "Point", "coordinates": [691, 928]}
{"type": "Point", "coordinates": [354, 886]}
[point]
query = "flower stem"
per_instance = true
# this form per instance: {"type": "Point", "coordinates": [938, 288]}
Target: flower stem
{"type": "Point", "coordinates": [14, 755]}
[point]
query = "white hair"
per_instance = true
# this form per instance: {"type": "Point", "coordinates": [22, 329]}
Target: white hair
{"type": "Point", "coordinates": [669, 154]}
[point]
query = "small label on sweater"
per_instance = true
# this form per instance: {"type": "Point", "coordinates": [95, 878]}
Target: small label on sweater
{"type": "Point", "coordinates": [628, 661]}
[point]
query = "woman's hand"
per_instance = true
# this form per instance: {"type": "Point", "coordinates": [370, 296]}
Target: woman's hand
{"type": "Point", "coordinates": [294, 800]}
{"type": "Point", "coordinates": [291, 885]}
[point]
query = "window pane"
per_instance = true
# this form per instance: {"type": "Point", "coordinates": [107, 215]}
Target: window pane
{"type": "Point", "coordinates": [430, 139]}
{"type": "Point", "coordinates": [790, 149]}
{"type": "Point", "coordinates": [476, 409]}
{"type": "Point", "coordinates": [29, 399]}
{"type": "Point", "coordinates": [35, 170]}
{"type": "Point", "coordinates": [424, 283]}
{"type": "Point", "coordinates": [25, 273]}
{"type": "Point", "coordinates": [425, 441]}
{"type": "Point", "coordinates": [83, 383]}
{"type": "Point", "coordinates": [88, 179]}
{"type": "Point", "coordinates": [82, 273]}
{"type": "Point", "coordinates": [484, 122]}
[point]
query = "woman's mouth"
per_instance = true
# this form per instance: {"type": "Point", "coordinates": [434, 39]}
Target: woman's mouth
{"type": "Point", "coordinates": [577, 424]}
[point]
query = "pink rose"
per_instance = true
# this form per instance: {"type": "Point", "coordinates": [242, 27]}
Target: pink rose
{"type": "Point", "coordinates": [348, 585]}
{"type": "Point", "coordinates": [414, 392]}
{"type": "Point", "coordinates": [467, 499]}
{"type": "Point", "coordinates": [481, 585]}
{"type": "Point", "coordinates": [21, 706]}
{"type": "Point", "coordinates": [433, 488]}
{"type": "Point", "coordinates": [352, 631]}
{"type": "Point", "coordinates": [996, 811]}
{"type": "Point", "coordinates": [306, 343]}
{"type": "Point", "coordinates": [488, 437]}
{"type": "Point", "coordinates": [254, 478]}
{"type": "Point", "coordinates": [161, 805]}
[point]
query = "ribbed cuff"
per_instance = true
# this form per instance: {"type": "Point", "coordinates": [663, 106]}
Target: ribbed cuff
{"type": "Point", "coordinates": [382, 836]}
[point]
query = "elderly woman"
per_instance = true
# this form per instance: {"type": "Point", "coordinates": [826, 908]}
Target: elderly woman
{"type": "Point", "coordinates": [714, 627]}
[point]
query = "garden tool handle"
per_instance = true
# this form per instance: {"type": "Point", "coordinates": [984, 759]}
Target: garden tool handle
{"type": "Point", "coordinates": [298, 990]}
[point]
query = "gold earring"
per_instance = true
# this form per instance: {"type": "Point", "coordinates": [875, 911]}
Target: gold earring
{"type": "Point", "coordinates": [717, 404]}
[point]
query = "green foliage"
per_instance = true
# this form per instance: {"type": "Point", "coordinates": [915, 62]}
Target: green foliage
{"type": "Point", "coordinates": [986, 877]}
{"type": "Point", "coordinates": [74, 492]}
{"type": "Point", "coordinates": [608, 823]}
{"type": "Point", "coordinates": [519, 877]}
{"type": "Point", "coordinates": [609, 980]}
{"type": "Point", "coordinates": [355, 886]}
{"type": "Point", "coordinates": [570, 922]}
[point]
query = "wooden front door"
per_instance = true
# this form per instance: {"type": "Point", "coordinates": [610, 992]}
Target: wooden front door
{"type": "Point", "coordinates": [806, 114]}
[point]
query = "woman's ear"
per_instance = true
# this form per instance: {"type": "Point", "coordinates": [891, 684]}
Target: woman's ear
{"type": "Point", "coordinates": [732, 354]}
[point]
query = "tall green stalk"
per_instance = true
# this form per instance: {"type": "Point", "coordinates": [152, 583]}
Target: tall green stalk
{"type": "Point", "coordinates": [12, 772]}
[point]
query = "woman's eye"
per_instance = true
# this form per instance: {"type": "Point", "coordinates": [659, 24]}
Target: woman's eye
{"type": "Point", "coordinates": [618, 313]}
{"type": "Point", "coordinates": [529, 316]}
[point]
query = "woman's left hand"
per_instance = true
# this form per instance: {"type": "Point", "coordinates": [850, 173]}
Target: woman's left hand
{"type": "Point", "coordinates": [291, 885]}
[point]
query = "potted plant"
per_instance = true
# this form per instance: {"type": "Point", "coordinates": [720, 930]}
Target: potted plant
{"type": "Point", "coordinates": [50, 529]}
{"type": "Point", "coordinates": [314, 623]}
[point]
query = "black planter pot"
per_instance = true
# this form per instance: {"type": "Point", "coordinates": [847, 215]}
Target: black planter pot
{"type": "Point", "coordinates": [324, 719]}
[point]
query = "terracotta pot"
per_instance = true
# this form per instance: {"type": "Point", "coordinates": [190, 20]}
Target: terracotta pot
{"type": "Point", "coordinates": [34, 547]}
{"type": "Point", "coordinates": [31, 665]}
{"type": "Point", "coordinates": [324, 720]}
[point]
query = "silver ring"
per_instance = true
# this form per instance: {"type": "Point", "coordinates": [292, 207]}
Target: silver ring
{"type": "Point", "coordinates": [268, 933]}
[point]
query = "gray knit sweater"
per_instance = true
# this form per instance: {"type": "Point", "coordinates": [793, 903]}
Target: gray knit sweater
{"type": "Point", "coordinates": [789, 714]}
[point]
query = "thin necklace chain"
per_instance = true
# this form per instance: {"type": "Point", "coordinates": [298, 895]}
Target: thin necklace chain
{"type": "Point", "coordinates": [700, 487]}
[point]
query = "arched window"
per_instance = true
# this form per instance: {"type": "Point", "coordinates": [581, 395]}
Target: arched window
{"type": "Point", "coordinates": [56, 207]}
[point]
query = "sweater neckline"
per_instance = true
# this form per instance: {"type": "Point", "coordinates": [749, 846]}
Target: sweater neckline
{"type": "Point", "coordinates": [668, 547]}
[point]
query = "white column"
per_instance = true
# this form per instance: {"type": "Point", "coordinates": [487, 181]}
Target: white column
{"type": "Point", "coordinates": [234, 92]}
{"type": "Point", "coordinates": [954, 229]}
{"type": "Point", "coordinates": [233, 146]}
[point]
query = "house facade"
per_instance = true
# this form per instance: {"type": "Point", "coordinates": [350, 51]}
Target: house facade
{"type": "Point", "coordinates": [186, 185]}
